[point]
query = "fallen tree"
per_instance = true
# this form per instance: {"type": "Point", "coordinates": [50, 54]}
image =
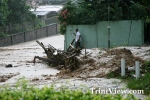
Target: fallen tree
{"type": "Point", "coordinates": [60, 58]}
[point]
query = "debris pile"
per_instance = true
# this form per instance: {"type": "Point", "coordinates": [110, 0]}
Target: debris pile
{"type": "Point", "coordinates": [88, 63]}
{"type": "Point", "coordinates": [99, 62]}
{"type": "Point", "coordinates": [60, 59]}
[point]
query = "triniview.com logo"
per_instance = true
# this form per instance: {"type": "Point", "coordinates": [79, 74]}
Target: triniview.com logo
{"type": "Point", "coordinates": [115, 91]}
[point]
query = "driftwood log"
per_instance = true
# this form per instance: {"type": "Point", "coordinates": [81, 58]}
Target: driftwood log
{"type": "Point", "coordinates": [60, 58]}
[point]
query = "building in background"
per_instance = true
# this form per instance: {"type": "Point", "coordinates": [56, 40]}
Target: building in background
{"type": "Point", "coordinates": [46, 12]}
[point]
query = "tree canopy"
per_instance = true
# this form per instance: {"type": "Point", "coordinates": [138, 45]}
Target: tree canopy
{"type": "Point", "coordinates": [19, 12]}
{"type": "Point", "coordinates": [3, 13]}
{"type": "Point", "coordinates": [15, 12]}
{"type": "Point", "coordinates": [92, 11]}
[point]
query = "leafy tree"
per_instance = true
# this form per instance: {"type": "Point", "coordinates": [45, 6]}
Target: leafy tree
{"type": "Point", "coordinates": [66, 16]}
{"type": "Point", "coordinates": [92, 11]}
{"type": "Point", "coordinates": [3, 14]}
{"type": "Point", "coordinates": [16, 12]}
{"type": "Point", "coordinates": [143, 2]}
{"type": "Point", "coordinates": [19, 12]}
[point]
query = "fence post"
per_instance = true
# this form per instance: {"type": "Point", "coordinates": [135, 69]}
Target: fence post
{"type": "Point", "coordinates": [35, 32]}
{"type": "Point", "coordinates": [11, 40]}
{"type": "Point", "coordinates": [47, 30]}
{"type": "Point", "coordinates": [56, 28]}
{"type": "Point", "coordinates": [137, 69]}
{"type": "Point", "coordinates": [122, 67]}
{"type": "Point", "coordinates": [24, 36]}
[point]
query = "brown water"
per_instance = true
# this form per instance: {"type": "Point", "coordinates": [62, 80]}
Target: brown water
{"type": "Point", "coordinates": [21, 57]}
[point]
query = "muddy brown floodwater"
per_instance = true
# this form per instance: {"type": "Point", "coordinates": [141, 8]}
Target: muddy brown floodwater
{"type": "Point", "coordinates": [21, 57]}
{"type": "Point", "coordinates": [40, 74]}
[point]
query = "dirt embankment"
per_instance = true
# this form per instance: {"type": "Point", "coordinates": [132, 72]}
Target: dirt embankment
{"type": "Point", "coordinates": [99, 62]}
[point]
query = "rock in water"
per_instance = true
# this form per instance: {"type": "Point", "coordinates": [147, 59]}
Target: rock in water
{"type": "Point", "coordinates": [9, 65]}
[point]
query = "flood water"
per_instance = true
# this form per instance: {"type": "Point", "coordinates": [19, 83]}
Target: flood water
{"type": "Point", "coordinates": [21, 57]}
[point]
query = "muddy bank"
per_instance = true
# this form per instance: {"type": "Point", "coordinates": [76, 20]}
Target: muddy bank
{"type": "Point", "coordinates": [99, 62]}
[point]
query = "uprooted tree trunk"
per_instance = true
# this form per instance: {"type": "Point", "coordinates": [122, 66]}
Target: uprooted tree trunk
{"type": "Point", "coordinates": [60, 58]}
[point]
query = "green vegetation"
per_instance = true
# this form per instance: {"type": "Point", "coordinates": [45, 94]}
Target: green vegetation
{"type": "Point", "coordinates": [16, 12]}
{"type": "Point", "coordinates": [22, 91]}
{"type": "Point", "coordinates": [142, 83]}
{"type": "Point", "coordinates": [3, 14]}
{"type": "Point", "coordinates": [19, 12]}
{"type": "Point", "coordinates": [146, 66]}
{"type": "Point", "coordinates": [90, 12]}
{"type": "Point", "coordinates": [4, 34]}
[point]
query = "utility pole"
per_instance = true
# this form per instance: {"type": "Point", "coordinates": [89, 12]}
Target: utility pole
{"type": "Point", "coordinates": [108, 25]}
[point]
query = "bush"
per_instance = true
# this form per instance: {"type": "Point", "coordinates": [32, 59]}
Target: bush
{"type": "Point", "coordinates": [146, 66]}
{"type": "Point", "coordinates": [22, 91]}
{"type": "Point", "coordinates": [2, 34]}
{"type": "Point", "coordinates": [142, 83]}
{"type": "Point", "coordinates": [90, 12]}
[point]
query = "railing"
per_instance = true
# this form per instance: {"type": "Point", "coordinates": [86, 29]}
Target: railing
{"type": "Point", "coordinates": [29, 35]}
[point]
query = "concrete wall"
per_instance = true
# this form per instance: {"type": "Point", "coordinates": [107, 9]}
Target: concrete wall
{"type": "Point", "coordinates": [29, 35]}
{"type": "Point", "coordinates": [122, 33]}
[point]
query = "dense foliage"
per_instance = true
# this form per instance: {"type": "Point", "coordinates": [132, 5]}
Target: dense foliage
{"type": "Point", "coordinates": [23, 91]}
{"type": "Point", "coordinates": [15, 12]}
{"type": "Point", "coordinates": [19, 12]}
{"type": "Point", "coordinates": [3, 13]}
{"type": "Point", "coordinates": [92, 11]}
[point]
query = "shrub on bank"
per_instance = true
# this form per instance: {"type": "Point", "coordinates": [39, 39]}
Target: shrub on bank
{"type": "Point", "coordinates": [22, 91]}
{"type": "Point", "coordinates": [142, 83]}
